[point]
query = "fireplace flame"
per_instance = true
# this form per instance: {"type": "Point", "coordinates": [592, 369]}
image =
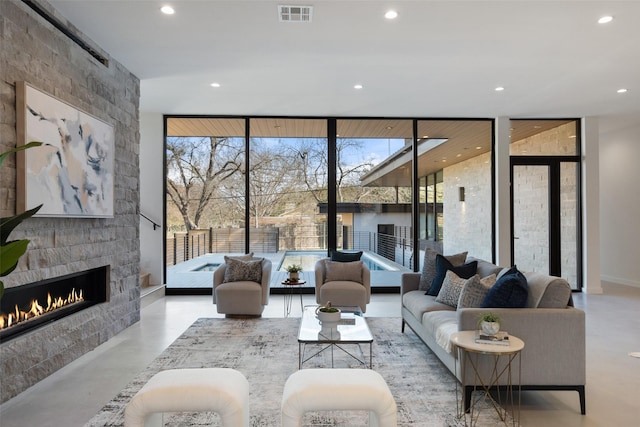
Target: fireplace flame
{"type": "Point", "coordinates": [36, 309]}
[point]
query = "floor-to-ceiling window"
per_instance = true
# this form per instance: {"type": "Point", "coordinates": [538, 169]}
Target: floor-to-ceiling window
{"type": "Point", "coordinates": [373, 187]}
{"type": "Point", "coordinates": [281, 185]}
{"type": "Point", "coordinates": [454, 157]}
{"type": "Point", "coordinates": [287, 182]}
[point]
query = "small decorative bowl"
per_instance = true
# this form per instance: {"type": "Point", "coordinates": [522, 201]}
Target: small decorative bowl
{"type": "Point", "coordinates": [328, 317]}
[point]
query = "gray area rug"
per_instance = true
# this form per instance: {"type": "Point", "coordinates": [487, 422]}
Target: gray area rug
{"type": "Point", "coordinates": [266, 352]}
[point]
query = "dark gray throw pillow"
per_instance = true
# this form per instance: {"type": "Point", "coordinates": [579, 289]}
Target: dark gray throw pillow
{"type": "Point", "coordinates": [345, 256]}
{"type": "Point", "coordinates": [443, 265]}
{"type": "Point", "coordinates": [429, 266]}
{"type": "Point", "coordinates": [510, 291]}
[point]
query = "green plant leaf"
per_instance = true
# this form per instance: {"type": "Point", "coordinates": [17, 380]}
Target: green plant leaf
{"type": "Point", "coordinates": [20, 148]}
{"type": "Point", "coordinates": [10, 253]}
{"type": "Point", "coordinates": [9, 223]}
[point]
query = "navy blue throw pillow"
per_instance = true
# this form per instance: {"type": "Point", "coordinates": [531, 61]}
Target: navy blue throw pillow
{"type": "Point", "coordinates": [510, 291]}
{"type": "Point", "coordinates": [345, 256]}
{"type": "Point", "coordinates": [443, 265]}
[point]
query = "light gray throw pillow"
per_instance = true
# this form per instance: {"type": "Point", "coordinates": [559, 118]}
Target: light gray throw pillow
{"type": "Point", "coordinates": [475, 290]}
{"type": "Point", "coordinates": [347, 271]}
{"type": "Point", "coordinates": [429, 270]}
{"type": "Point", "coordinates": [451, 288]}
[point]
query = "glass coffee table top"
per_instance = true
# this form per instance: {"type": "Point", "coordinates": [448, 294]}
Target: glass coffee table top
{"type": "Point", "coordinates": [351, 329]}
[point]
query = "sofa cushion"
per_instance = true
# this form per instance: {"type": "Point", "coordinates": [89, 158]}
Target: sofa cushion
{"type": "Point", "coordinates": [345, 256]}
{"type": "Point", "coordinates": [418, 303]}
{"type": "Point", "coordinates": [240, 271]}
{"type": "Point", "coordinates": [451, 288]}
{"type": "Point", "coordinates": [443, 265]}
{"type": "Point", "coordinates": [429, 266]}
{"type": "Point", "coordinates": [547, 291]}
{"type": "Point", "coordinates": [343, 271]}
{"type": "Point", "coordinates": [509, 291]}
{"type": "Point", "coordinates": [475, 291]}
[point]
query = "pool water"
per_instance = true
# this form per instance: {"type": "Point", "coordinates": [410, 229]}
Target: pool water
{"type": "Point", "coordinates": [207, 267]}
{"type": "Point", "coordinates": [308, 260]}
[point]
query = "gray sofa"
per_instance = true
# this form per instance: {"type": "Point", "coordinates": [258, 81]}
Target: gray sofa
{"type": "Point", "coordinates": [552, 329]}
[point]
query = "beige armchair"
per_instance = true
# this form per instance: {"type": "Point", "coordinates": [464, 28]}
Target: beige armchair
{"type": "Point", "coordinates": [345, 284]}
{"type": "Point", "coordinates": [241, 286]}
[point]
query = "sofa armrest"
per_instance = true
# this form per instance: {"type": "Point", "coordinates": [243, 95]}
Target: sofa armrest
{"type": "Point", "coordinates": [409, 282]}
{"type": "Point", "coordinates": [554, 339]}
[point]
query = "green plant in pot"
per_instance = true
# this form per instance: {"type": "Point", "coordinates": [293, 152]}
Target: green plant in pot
{"type": "Point", "coordinates": [326, 313]}
{"type": "Point", "coordinates": [12, 250]}
{"type": "Point", "coordinates": [489, 323]}
{"type": "Point", "coordinates": [294, 270]}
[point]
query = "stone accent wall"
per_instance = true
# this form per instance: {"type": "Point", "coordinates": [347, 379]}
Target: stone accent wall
{"type": "Point", "coordinates": [467, 225]}
{"type": "Point", "coordinates": [32, 50]}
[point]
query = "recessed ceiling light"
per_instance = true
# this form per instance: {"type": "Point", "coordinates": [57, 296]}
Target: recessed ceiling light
{"type": "Point", "coordinates": [458, 155]}
{"type": "Point", "coordinates": [478, 148]}
{"type": "Point", "coordinates": [391, 14]}
{"type": "Point", "coordinates": [215, 84]}
{"type": "Point", "coordinates": [622, 90]}
{"type": "Point", "coordinates": [167, 10]}
{"type": "Point", "coordinates": [499, 89]}
{"type": "Point", "coordinates": [357, 86]}
{"type": "Point", "coordinates": [605, 19]}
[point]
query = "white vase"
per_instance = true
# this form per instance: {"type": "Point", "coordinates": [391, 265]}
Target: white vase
{"type": "Point", "coordinates": [293, 277]}
{"type": "Point", "coordinates": [490, 328]}
{"type": "Point", "coordinates": [328, 317]}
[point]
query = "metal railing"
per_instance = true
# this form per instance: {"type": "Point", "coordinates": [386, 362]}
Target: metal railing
{"type": "Point", "coordinates": [184, 246]}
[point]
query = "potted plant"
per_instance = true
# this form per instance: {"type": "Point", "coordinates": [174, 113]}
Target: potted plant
{"type": "Point", "coordinates": [328, 314]}
{"type": "Point", "coordinates": [294, 270]}
{"type": "Point", "coordinates": [12, 250]}
{"type": "Point", "coordinates": [489, 323]}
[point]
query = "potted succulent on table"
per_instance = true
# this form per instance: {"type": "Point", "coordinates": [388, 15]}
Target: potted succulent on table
{"type": "Point", "coordinates": [294, 270]}
{"type": "Point", "coordinates": [328, 314]}
{"type": "Point", "coordinates": [489, 323]}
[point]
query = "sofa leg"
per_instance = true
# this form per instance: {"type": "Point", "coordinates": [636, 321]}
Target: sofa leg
{"type": "Point", "coordinates": [468, 390]}
{"type": "Point", "coordinates": [583, 403]}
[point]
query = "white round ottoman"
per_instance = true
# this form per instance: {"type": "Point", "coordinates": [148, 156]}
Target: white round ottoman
{"type": "Point", "coordinates": [338, 390]}
{"type": "Point", "coordinates": [221, 390]}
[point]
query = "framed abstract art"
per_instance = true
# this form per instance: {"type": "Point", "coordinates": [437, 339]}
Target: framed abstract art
{"type": "Point", "coordinates": [72, 174]}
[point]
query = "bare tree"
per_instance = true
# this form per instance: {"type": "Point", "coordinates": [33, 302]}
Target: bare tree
{"type": "Point", "coordinates": [349, 167]}
{"type": "Point", "coordinates": [196, 168]}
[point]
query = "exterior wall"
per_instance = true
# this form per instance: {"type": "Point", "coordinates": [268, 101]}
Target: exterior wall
{"type": "Point", "coordinates": [33, 51]}
{"type": "Point", "coordinates": [467, 225]}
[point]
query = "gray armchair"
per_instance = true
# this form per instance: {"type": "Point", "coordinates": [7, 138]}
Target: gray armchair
{"type": "Point", "coordinates": [241, 286]}
{"type": "Point", "coordinates": [345, 284]}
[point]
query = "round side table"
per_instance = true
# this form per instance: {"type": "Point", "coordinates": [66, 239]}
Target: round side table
{"type": "Point", "coordinates": [472, 353]}
{"type": "Point", "coordinates": [288, 296]}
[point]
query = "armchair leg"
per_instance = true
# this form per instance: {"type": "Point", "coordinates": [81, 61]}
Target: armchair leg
{"type": "Point", "coordinates": [402, 326]}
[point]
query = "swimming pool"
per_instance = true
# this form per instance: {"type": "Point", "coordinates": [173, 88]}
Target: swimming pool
{"type": "Point", "coordinates": [308, 261]}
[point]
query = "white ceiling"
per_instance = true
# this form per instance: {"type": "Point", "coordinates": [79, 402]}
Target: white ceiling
{"type": "Point", "coordinates": [437, 59]}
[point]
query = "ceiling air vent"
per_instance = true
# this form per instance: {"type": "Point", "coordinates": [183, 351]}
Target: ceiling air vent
{"type": "Point", "coordinates": [295, 13]}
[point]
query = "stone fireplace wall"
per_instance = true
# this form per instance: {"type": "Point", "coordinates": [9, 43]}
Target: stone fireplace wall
{"type": "Point", "coordinates": [32, 50]}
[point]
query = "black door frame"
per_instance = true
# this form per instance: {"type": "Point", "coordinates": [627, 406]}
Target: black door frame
{"type": "Point", "coordinates": [554, 220]}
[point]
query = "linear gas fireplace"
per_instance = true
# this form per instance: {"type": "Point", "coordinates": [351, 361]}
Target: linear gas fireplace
{"type": "Point", "coordinates": [24, 308]}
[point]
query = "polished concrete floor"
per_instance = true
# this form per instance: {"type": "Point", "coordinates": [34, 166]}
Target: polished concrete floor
{"type": "Point", "coordinates": [71, 396]}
